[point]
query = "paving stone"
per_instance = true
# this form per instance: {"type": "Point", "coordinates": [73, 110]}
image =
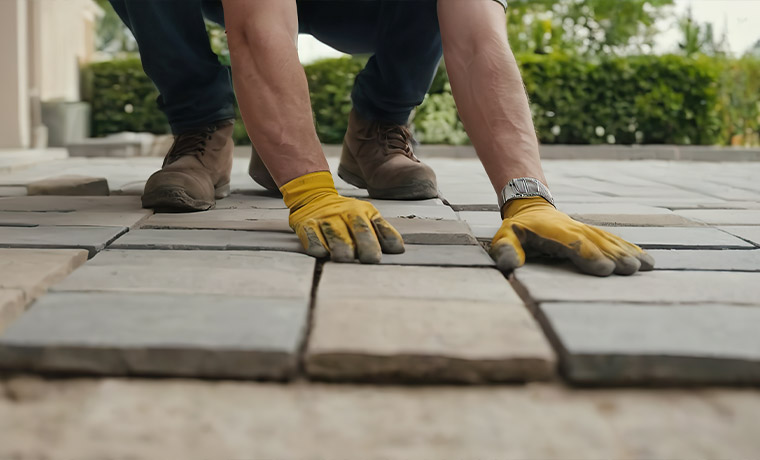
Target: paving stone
{"type": "Point", "coordinates": [615, 209]}
{"type": "Point", "coordinates": [168, 335]}
{"type": "Point", "coordinates": [224, 219]}
{"type": "Point", "coordinates": [208, 239]}
{"type": "Point", "coordinates": [70, 186]}
{"type": "Point", "coordinates": [723, 216]}
{"type": "Point", "coordinates": [432, 209]}
{"type": "Point", "coordinates": [484, 225]}
{"type": "Point", "coordinates": [125, 218]}
{"type": "Point", "coordinates": [698, 259]}
{"type": "Point", "coordinates": [626, 343]}
{"type": "Point", "coordinates": [751, 233]}
{"type": "Point", "coordinates": [261, 200]}
{"type": "Point", "coordinates": [234, 273]}
{"type": "Point", "coordinates": [430, 231]}
{"type": "Point", "coordinates": [440, 255]}
{"type": "Point", "coordinates": [546, 283]}
{"type": "Point", "coordinates": [12, 304]}
{"type": "Point", "coordinates": [32, 271]}
{"type": "Point", "coordinates": [69, 203]}
{"type": "Point", "coordinates": [423, 324]}
{"type": "Point", "coordinates": [678, 237]}
{"type": "Point", "coordinates": [93, 239]}
{"type": "Point", "coordinates": [636, 220]}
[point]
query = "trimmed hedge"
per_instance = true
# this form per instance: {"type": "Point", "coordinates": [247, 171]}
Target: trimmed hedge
{"type": "Point", "coordinates": [640, 99]}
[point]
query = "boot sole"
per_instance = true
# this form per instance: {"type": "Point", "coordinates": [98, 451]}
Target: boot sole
{"type": "Point", "coordinates": [174, 199]}
{"type": "Point", "coordinates": [415, 190]}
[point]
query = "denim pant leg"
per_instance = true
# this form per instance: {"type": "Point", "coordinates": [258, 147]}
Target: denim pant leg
{"type": "Point", "coordinates": [405, 40]}
{"type": "Point", "coordinates": [195, 89]}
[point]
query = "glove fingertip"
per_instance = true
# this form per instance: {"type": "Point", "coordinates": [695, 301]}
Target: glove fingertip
{"type": "Point", "coordinates": [647, 262]}
{"type": "Point", "coordinates": [311, 241]}
{"type": "Point", "coordinates": [390, 239]}
{"type": "Point", "coordinates": [507, 257]}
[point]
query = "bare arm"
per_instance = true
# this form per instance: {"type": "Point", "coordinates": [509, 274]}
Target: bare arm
{"type": "Point", "coordinates": [488, 89]}
{"type": "Point", "coordinates": [271, 86]}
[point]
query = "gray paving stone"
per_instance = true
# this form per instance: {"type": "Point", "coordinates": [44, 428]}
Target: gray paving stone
{"type": "Point", "coordinates": [440, 255]}
{"type": "Point", "coordinates": [678, 237]}
{"type": "Point", "coordinates": [79, 218]}
{"type": "Point", "coordinates": [208, 239]}
{"type": "Point", "coordinates": [636, 220]}
{"type": "Point", "coordinates": [614, 209]}
{"type": "Point", "coordinates": [234, 273]}
{"type": "Point", "coordinates": [436, 232]}
{"type": "Point", "coordinates": [723, 216]}
{"type": "Point", "coordinates": [751, 233]}
{"type": "Point", "coordinates": [12, 304]}
{"type": "Point", "coordinates": [32, 271]}
{"type": "Point", "coordinates": [6, 191]}
{"type": "Point", "coordinates": [71, 203]}
{"type": "Point", "coordinates": [224, 219]}
{"type": "Point", "coordinates": [70, 185]}
{"type": "Point", "coordinates": [168, 335]}
{"type": "Point", "coordinates": [93, 239]}
{"type": "Point", "coordinates": [484, 224]}
{"type": "Point", "coordinates": [263, 200]}
{"type": "Point", "coordinates": [625, 343]}
{"type": "Point", "coordinates": [700, 259]}
{"type": "Point", "coordinates": [423, 324]}
{"type": "Point", "coordinates": [414, 209]}
{"type": "Point", "coordinates": [545, 283]}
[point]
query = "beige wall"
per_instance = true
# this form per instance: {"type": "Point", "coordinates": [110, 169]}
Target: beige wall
{"type": "Point", "coordinates": [42, 43]}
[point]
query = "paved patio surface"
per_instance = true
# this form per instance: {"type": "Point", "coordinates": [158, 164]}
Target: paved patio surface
{"type": "Point", "coordinates": [95, 288]}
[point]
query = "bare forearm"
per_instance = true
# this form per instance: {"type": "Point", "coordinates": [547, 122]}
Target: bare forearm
{"type": "Point", "coordinates": [271, 86]}
{"type": "Point", "coordinates": [488, 89]}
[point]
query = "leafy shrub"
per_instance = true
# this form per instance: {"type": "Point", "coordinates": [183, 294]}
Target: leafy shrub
{"type": "Point", "coordinates": [639, 99]}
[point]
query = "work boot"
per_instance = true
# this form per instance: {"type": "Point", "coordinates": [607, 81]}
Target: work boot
{"type": "Point", "coordinates": [378, 156]}
{"type": "Point", "coordinates": [196, 171]}
{"type": "Point", "coordinates": [260, 174]}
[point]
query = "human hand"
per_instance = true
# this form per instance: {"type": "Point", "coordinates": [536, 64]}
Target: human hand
{"type": "Point", "coordinates": [534, 224]}
{"type": "Point", "coordinates": [329, 224]}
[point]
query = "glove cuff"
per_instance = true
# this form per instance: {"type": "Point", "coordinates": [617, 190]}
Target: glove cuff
{"type": "Point", "coordinates": [520, 205]}
{"type": "Point", "coordinates": [302, 190]}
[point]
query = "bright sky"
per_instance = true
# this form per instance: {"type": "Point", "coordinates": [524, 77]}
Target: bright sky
{"type": "Point", "coordinates": [739, 18]}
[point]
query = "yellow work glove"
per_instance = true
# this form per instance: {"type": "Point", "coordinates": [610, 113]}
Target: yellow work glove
{"type": "Point", "coordinates": [535, 225]}
{"type": "Point", "coordinates": [327, 223]}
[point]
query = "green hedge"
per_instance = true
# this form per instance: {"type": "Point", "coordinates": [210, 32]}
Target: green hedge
{"type": "Point", "coordinates": [624, 100]}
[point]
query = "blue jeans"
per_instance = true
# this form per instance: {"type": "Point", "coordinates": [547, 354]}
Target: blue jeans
{"type": "Point", "coordinates": [196, 90]}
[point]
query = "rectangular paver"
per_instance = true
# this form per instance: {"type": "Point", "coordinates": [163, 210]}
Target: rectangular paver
{"type": "Point", "coordinates": [32, 271]}
{"type": "Point", "coordinates": [208, 239]}
{"type": "Point", "coordinates": [236, 273]}
{"type": "Point", "coordinates": [229, 219]}
{"type": "Point", "coordinates": [78, 218]}
{"type": "Point", "coordinates": [545, 283]}
{"type": "Point", "coordinates": [93, 239]}
{"type": "Point", "coordinates": [704, 259]}
{"type": "Point", "coordinates": [423, 324]}
{"type": "Point", "coordinates": [678, 237]}
{"type": "Point", "coordinates": [431, 231]}
{"type": "Point", "coordinates": [749, 233]}
{"type": "Point", "coordinates": [440, 255]}
{"type": "Point", "coordinates": [723, 216]}
{"type": "Point", "coordinates": [70, 185]}
{"type": "Point", "coordinates": [70, 203]}
{"type": "Point", "coordinates": [169, 335]}
{"type": "Point", "coordinates": [624, 343]}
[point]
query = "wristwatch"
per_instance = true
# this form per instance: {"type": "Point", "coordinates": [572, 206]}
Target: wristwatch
{"type": "Point", "coordinates": [524, 187]}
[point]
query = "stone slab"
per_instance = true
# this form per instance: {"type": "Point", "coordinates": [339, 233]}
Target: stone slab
{"type": "Point", "coordinates": [93, 239]}
{"type": "Point", "coordinates": [750, 233]}
{"type": "Point", "coordinates": [380, 323]}
{"type": "Point", "coordinates": [636, 220]}
{"type": "Point", "coordinates": [484, 224]}
{"type": "Point", "coordinates": [224, 219]}
{"type": "Point", "coordinates": [167, 335]}
{"type": "Point", "coordinates": [678, 237]}
{"type": "Point", "coordinates": [235, 273]}
{"type": "Point", "coordinates": [440, 255]}
{"type": "Point", "coordinates": [723, 216]}
{"type": "Point", "coordinates": [10, 190]}
{"type": "Point", "coordinates": [12, 303]}
{"type": "Point", "coordinates": [434, 209]}
{"type": "Point", "coordinates": [69, 203]}
{"type": "Point", "coordinates": [33, 271]}
{"type": "Point", "coordinates": [627, 344]}
{"type": "Point", "coordinates": [208, 240]}
{"type": "Point", "coordinates": [430, 231]}
{"type": "Point", "coordinates": [257, 200]}
{"type": "Point", "coordinates": [70, 185]}
{"type": "Point", "coordinates": [546, 283]}
{"type": "Point", "coordinates": [613, 209]}
{"type": "Point", "coordinates": [79, 218]}
{"type": "Point", "coordinates": [712, 260]}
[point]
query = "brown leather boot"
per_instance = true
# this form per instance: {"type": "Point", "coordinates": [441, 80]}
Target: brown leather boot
{"type": "Point", "coordinates": [195, 173]}
{"type": "Point", "coordinates": [378, 156]}
{"type": "Point", "coordinates": [260, 174]}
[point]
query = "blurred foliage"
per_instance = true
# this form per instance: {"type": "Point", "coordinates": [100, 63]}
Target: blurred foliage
{"type": "Point", "coordinates": [111, 35]}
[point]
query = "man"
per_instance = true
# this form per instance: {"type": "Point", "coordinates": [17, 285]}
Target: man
{"type": "Point", "coordinates": [405, 38]}
{"type": "Point", "coordinates": [197, 97]}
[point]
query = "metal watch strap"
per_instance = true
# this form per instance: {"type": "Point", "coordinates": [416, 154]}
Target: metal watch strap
{"type": "Point", "coordinates": [524, 187]}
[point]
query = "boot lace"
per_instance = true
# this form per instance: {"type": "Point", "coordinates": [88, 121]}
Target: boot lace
{"type": "Point", "coordinates": [189, 143]}
{"type": "Point", "coordinates": [396, 139]}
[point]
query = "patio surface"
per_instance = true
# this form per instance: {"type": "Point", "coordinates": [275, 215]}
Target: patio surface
{"type": "Point", "coordinates": [432, 354]}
